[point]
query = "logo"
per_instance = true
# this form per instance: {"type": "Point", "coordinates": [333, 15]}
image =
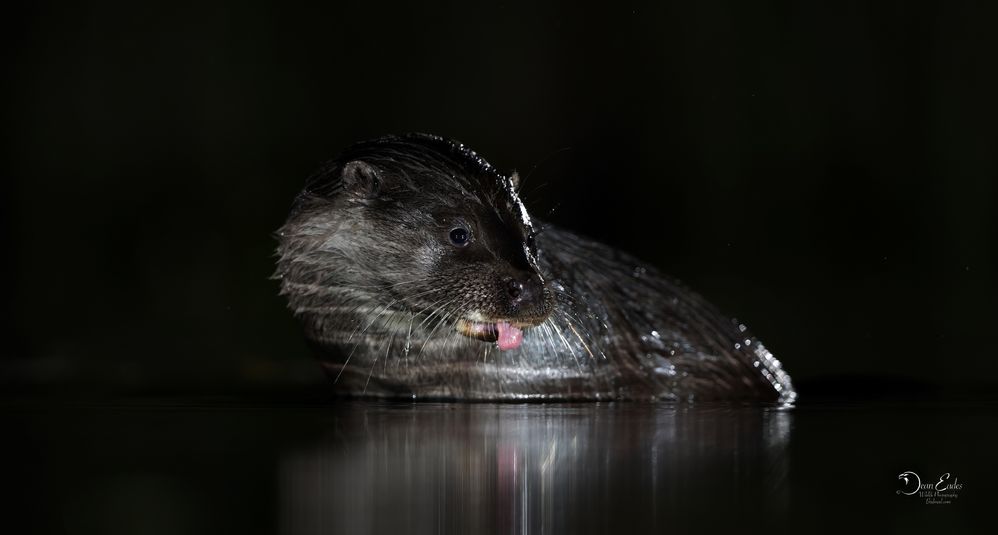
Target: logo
{"type": "Point", "coordinates": [941, 491]}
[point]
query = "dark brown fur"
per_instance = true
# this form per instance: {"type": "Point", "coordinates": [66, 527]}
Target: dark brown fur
{"type": "Point", "coordinates": [366, 264]}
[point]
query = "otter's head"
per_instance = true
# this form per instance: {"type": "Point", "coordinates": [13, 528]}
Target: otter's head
{"type": "Point", "coordinates": [416, 225]}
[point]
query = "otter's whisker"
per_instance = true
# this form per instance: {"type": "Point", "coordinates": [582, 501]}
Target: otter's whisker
{"type": "Point", "coordinates": [372, 322]}
{"type": "Point", "coordinates": [436, 311]}
{"type": "Point", "coordinates": [408, 339]}
{"type": "Point", "coordinates": [583, 342]}
{"type": "Point", "coordinates": [347, 361]}
{"type": "Point", "coordinates": [442, 319]}
{"type": "Point", "coordinates": [567, 345]}
{"type": "Point", "coordinates": [391, 338]}
{"type": "Point", "coordinates": [569, 317]}
{"type": "Point", "coordinates": [549, 338]}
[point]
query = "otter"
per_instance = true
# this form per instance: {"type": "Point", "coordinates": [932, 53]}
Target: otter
{"type": "Point", "coordinates": [417, 271]}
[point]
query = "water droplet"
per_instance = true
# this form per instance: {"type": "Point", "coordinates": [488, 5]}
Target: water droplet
{"type": "Point", "coordinates": [742, 327]}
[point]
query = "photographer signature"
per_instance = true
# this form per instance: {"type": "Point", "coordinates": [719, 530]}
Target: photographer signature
{"type": "Point", "coordinates": [940, 492]}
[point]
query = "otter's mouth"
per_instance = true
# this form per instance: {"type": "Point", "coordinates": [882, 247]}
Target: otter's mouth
{"type": "Point", "coordinates": [506, 335]}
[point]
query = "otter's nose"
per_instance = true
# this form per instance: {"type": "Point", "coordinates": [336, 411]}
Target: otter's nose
{"type": "Point", "coordinates": [523, 290]}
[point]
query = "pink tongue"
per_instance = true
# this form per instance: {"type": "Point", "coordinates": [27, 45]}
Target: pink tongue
{"type": "Point", "coordinates": [509, 336]}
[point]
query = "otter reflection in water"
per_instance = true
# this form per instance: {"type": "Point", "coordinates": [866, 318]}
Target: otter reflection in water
{"type": "Point", "coordinates": [417, 272]}
{"type": "Point", "coordinates": [526, 468]}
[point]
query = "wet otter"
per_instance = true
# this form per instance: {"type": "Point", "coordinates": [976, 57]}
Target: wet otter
{"type": "Point", "coordinates": [417, 271]}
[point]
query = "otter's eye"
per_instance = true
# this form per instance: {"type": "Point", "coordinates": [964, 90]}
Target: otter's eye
{"type": "Point", "coordinates": [460, 236]}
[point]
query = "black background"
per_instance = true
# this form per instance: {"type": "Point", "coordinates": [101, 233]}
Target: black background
{"type": "Point", "coordinates": [826, 172]}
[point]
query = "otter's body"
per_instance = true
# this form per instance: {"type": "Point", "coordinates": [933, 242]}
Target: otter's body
{"type": "Point", "coordinates": [417, 272]}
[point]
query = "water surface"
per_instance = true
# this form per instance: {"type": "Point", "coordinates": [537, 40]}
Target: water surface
{"type": "Point", "coordinates": [252, 465]}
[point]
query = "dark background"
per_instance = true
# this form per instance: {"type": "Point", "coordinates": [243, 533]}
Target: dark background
{"type": "Point", "coordinates": [825, 172]}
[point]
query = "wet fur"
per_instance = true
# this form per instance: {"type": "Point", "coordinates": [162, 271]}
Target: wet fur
{"type": "Point", "coordinates": [365, 265]}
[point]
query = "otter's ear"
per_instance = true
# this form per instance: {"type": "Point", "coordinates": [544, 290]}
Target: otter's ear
{"type": "Point", "coordinates": [361, 179]}
{"type": "Point", "coordinates": [515, 179]}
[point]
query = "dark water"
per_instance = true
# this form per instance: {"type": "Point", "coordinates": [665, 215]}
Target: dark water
{"type": "Point", "coordinates": [251, 465]}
